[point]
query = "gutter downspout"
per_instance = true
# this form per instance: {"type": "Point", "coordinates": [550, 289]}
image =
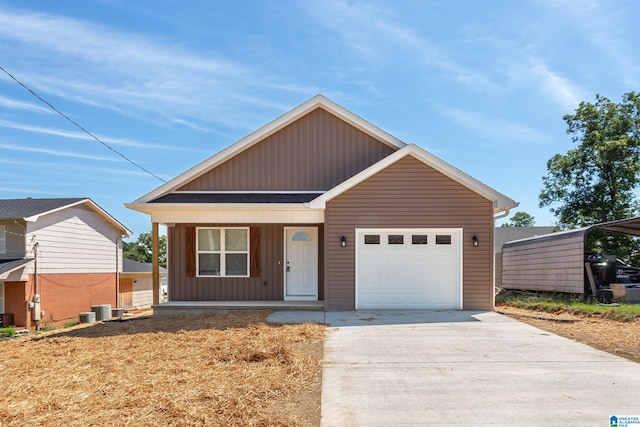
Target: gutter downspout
{"type": "Point", "coordinates": [502, 215]}
{"type": "Point", "coordinates": [36, 289]}
{"type": "Point", "coordinates": [493, 258]}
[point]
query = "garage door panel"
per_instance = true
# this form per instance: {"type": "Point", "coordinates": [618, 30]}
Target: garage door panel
{"type": "Point", "coordinates": [409, 276]}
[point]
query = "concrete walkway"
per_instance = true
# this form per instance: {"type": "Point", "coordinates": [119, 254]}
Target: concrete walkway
{"type": "Point", "coordinates": [464, 368]}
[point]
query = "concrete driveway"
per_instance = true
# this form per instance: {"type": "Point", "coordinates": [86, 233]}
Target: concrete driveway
{"type": "Point", "coordinates": [385, 368]}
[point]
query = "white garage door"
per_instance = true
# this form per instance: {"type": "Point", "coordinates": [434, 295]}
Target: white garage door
{"type": "Point", "coordinates": [409, 269]}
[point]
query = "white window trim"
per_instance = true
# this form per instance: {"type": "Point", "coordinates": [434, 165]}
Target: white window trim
{"type": "Point", "coordinates": [222, 252]}
{"type": "Point", "coordinates": [3, 239]}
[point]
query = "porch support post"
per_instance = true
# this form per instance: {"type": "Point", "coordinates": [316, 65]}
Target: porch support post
{"type": "Point", "coordinates": [155, 263]}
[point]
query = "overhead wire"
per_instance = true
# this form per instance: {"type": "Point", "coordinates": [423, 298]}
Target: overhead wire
{"type": "Point", "coordinates": [78, 125]}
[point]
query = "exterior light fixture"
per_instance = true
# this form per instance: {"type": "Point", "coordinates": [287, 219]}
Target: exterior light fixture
{"type": "Point", "coordinates": [343, 241]}
{"type": "Point", "coordinates": [475, 241]}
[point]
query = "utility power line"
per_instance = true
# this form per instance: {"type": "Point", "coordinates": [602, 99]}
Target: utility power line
{"type": "Point", "coordinates": [41, 99]}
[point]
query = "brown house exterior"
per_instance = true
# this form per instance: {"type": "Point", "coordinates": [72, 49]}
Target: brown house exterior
{"type": "Point", "coordinates": [320, 205]}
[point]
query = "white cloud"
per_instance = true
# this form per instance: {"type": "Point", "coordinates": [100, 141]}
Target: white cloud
{"type": "Point", "coordinates": [83, 136]}
{"type": "Point", "coordinates": [371, 32]}
{"type": "Point", "coordinates": [133, 74]}
{"type": "Point", "coordinates": [57, 153]}
{"type": "Point", "coordinates": [492, 128]}
{"type": "Point", "coordinates": [561, 90]}
{"type": "Point", "coordinates": [24, 106]}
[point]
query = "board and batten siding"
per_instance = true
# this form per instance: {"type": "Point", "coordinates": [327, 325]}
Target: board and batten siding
{"type": "Point", "coordinates": [75, 240]}
{"type": "Point", "coordinates": [409, 194]}
{"type": "Point", "coordinates": [314, 153]}
{"type": "Point", "coordinates": [551, 264]}
{"type": "Point", "coordinates": [267, 286]}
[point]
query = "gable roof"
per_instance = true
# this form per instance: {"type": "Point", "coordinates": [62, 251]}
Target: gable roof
{"type": "Point", "coordinates": [132, 266]}
{"type": "Point", "coordinates": [25, 208]}
{"type": "Point", "coordinates": [281, 122]}
{"type": "Point", "coordinates": [32, 209]}
{"type": "Point", "coordinates": [9, 266]}
{"type": "Point", "coordinates": [500, 201]}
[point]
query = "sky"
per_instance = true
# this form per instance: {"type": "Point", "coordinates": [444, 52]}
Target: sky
{"type": "Point", "coordinates": [164, 84]}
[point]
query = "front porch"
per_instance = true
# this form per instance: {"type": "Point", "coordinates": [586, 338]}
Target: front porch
{"type": "Point", "coordinates": [181, 308]}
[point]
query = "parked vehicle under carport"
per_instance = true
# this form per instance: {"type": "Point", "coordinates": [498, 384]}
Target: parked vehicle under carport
{"type": "Point", "coordinates": [557, 262]}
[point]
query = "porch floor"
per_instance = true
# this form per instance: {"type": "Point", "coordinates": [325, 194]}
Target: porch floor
{"type": "Point", "coordinates": [180, 308]}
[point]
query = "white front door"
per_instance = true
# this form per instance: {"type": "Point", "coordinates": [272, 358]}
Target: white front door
{"type": "Point", "coordinates": [1, 297]}
{"type": "Point", "coordinates": [301, 263]}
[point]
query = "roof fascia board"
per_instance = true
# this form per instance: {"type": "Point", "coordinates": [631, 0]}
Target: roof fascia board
{"type": "Point", "coordinates": [156, 207]}
{"type": "Point", "coordinates": [34, 218]}
{"type": "Point", "coordinates": [248, 192]}
{"type": "Point", "coordinates": [317, 101]}
{"type": "Point", "coordinates": [93, 206]}
{"type": "Point", "coordinates": [500, 201]}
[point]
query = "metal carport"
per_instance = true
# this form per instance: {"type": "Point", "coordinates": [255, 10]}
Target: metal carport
{"type": "Point", "coordinates": [554, 262]}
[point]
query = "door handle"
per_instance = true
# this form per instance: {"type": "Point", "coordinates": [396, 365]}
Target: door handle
{"type": "Point", "coordinates": [288, 267]}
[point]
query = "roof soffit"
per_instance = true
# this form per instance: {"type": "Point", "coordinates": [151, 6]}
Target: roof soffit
{"type": "Point", "coordinates": [269, 129]}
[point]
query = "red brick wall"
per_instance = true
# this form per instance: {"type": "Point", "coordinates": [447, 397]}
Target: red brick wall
{"type": "Point", "coordinates": [64, 296]}
{"type": "Point", "coordinates": [15, 301]}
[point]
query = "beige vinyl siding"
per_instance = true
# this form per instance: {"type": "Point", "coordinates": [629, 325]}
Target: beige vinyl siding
{"type": "Point", "coordinates": [14, 236]}
{"type": "Point", "coordinates": [74, 240]}
{"type": "Point", "coordinates": [184, 288]}
{"type": "Point", "coordinates": [316, 152]}
{"type": "Point", "coordinates": [409, 194]}
{"type": "Point", "coordinates": [553, 264]}
{"type": "Point", "coordinates": [142, 291]}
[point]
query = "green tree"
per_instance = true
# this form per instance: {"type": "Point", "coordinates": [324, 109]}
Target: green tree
{"type": "Point", "coordinates": [520, 219]}
{"type": "Point", "coordinates": [140, 250]}
{"type": "Point", "coordinates": [597, 180]}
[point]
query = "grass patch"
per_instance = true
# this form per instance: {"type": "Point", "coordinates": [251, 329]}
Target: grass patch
{"type": "Point", "coordinates": [70, 324]}
{"type": "Point", "coordinates": [566, 303]}
{"type": "Point", "coordinates": [9, 330]}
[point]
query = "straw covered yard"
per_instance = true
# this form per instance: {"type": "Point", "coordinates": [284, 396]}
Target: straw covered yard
{"type": "Point", "coordinates": [232, 369]}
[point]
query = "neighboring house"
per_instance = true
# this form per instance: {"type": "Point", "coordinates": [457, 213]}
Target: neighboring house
{"type": "Point", "coordinates": [322, 205]}
{"type": "Point", "coordinates": [507, 234]}
{"type": "Point", "coordinates": [136, 286]}
{"type": "Point", "coordinates": [58, 257]}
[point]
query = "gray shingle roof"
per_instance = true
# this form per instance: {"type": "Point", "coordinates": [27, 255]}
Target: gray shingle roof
{"type": "Point", "coordinates": [10, 265]}
{"type": "Point", "coordinates": [23, 208]}
{"type": "Point", "coordinates": [131, 266]}
{"type": "Point", "coordinates": [237, 198]}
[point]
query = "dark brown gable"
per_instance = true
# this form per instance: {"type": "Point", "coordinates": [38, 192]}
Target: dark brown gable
{"type": "Point", "coordinates": [314, 153]}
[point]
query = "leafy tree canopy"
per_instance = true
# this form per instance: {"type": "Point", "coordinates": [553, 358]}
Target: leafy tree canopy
{"type": "Point", "coordinates": [597, 180]}
{"type": "Point", "coordinates": [140, 250]}
{"type": "Point", "coordinates": [520, 219]}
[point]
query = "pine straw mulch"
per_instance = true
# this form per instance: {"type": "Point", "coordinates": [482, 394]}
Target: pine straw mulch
{"type": "Point", "coordinates": [616, 337]}
{"type": "Point", "coordinates": [231, 369]}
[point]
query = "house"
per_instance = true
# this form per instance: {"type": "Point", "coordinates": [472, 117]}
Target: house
{"type": "Point", "coordinates": [136, 285]}
{"type": "Point", "coordinates": [58, 257]}
{"type": "Point", "coordinates": [321, 205]}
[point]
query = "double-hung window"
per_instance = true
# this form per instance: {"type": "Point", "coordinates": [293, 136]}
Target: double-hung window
{"type": "Point", "coordinates": [223, 252]}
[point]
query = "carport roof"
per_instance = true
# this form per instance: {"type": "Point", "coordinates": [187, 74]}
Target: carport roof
{"type": "Point", "coordinates": [629, 226]}
{"type": "Point", "coordinates": [625, 226]}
